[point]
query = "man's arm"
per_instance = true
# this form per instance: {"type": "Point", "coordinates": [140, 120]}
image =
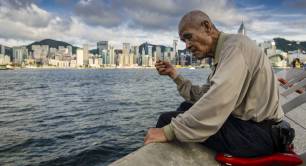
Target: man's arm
{"type": "Point", "coordinates": [188, 91]}
{"type": "Point", "coordinates": [207, 116]}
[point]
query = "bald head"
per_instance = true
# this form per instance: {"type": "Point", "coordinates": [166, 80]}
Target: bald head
{"type": "Point", "coordinates": [195, 19]}
{"type": "Point", "coordinates": [198, 33]}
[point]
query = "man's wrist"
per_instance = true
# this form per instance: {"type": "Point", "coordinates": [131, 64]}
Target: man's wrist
{"type": "Point", "coordinates": [169, 133]}
{"type": "Point", "coordinates": [173, 75]}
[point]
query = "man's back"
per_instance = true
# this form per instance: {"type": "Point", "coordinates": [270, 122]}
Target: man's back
{"type": "Point", "coordinates": [259, 97]}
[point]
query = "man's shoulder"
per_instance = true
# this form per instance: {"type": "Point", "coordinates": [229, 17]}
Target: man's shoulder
{"type": "Point", "coordinates": [236, 37]}
{"type": "Point", "coordinates": [238, 40]}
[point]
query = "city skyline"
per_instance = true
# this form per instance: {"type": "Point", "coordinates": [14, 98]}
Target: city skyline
{"type": "Point", "coordinates": [135, 22]}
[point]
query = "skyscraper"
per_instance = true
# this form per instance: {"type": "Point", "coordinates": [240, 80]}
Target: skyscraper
{"type": "Point", "coordinates": [80, 57]}
{"type": "Point", "coordinates": [158, 53]}
{"type": "Point", "coordinates": [150, 50]}
{"type": "Point", "coordinates": [126, 48]}
{"type": "Point", "coordinates": [174, 57]}
{"type": "Point", "coordinates": [102, 45]}
{"type": "Point", "coordinates": [241, 29]}
{"type": "Point", "coordinates": [86, 54]}
{"type": "Point", "coordinates": [19, 54]}
{"type": "Point", "coordinates": [69, 50]}
{"type": "Point", "coordinates": [2, 51]}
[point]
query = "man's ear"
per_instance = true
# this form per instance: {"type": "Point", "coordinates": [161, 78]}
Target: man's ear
{"type": "Point", "coordinates": [206, 25]}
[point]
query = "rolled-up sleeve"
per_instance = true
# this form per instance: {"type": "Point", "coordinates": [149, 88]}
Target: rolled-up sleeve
{"type": "Point", "coordinates": [209, 113]}
{"type": "Point", "coordinates": [188, 91]}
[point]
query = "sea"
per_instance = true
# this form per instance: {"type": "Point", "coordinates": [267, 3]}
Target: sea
{"type": "Point", "coordinates": [81, 117]}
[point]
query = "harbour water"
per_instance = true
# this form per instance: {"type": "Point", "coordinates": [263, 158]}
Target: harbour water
{"type": "Point", "coordinates": [81, 117]}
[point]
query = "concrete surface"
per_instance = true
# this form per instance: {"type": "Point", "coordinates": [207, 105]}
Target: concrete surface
{"type": "Point", "coordinates": [169, 154]}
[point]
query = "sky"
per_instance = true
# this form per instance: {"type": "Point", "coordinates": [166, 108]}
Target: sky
{"type": "Point", "coordinates": [81, 22]}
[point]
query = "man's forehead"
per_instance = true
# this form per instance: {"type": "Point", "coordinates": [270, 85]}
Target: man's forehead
{"type": "Point", "coordinates": [186, 29]}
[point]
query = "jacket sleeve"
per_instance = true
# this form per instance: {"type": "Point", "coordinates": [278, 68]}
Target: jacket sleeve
{"type": "Point", "coordinates": [188, 91]}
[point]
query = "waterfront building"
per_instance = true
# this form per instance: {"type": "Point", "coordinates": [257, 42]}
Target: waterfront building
{"type": "Point", "coordinates": [150, 50]}
{"type": "Point", "coordinates": [4, 59]}
{"type": "Point", "coordinates": [135, 52]}
{"type": "Point", "coordinates": [102, 48]}
{"type": "Point", "coordinates": [85, 54]}
{"type": "Point", "coordinates": [167, 52]}
{"type": "Point", "coordinates": [2, 50]}
{"type": "Point", "coordinates": [126, 48]}
{"type": "Point", "coordinates": [73, 63]}
{"type": "Point", "coordinates": [159, 53]}
{"type": "Point", "coordinates": [102, 45]}
{"type": "Point", "coordinates": [69, 50]}
{"type": "Point", "coordinates": [145, 60]}
{"type": "Point", "coordinates": [242, 29]}
{"type": "Point", "coordinates": [174, 57]}
{"type": "Point", "coordinates": [112, 56]}
{"type": "Point", "coordinates": [19, 54]}
{"type": "Point", "coordinates": [40, 53]}
{"type": "Point", "coordinates": [80, 57]}
{"type": "Point", "coordinates": [1, 59]}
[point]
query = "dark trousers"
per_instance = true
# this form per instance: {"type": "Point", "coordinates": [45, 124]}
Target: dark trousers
{"type": "Point", "coordinates": [236, 137]}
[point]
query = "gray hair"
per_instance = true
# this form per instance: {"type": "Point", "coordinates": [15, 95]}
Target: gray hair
{"type": "Point", "coordinates": [195, 18]}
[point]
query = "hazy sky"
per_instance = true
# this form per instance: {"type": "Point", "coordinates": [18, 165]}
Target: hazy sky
{"type": "Point", "coordinates": [136, 21]}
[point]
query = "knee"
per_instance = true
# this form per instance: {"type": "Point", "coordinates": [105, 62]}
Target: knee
{"type": "Point", "coordinates": [184, 106]}
{"type": "Point", "coordinates": [165, 118]}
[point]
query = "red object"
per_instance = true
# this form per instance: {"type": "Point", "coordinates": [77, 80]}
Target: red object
{"type": "Point", "coordinates": [279, 159]}
{"type": "Point", "coordinates": [285, 82]}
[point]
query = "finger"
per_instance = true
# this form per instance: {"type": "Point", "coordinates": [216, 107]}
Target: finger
{"type": "Point", "coordinates": [160, 65]}
{"type": "Point", "coordinates": [161, 70]}
{"type": "Point", "coordinates": [166, 62]}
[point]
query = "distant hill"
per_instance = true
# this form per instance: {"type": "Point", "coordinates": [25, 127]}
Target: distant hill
{"type": "Point", "coordinates": [52, 43]}
{"type": "Point", "coordinates": [287, 45]}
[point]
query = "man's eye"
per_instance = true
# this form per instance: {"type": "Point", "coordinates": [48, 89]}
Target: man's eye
{"type": "Point", "coordinates": [187, 36]}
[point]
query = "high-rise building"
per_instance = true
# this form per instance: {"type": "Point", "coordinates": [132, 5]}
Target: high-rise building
{"type": "Point", "coordinates": [1, 59]}
{"type": "Point", "coordinates": [19, 54]}
{"type": "Point", "coordinates": [174, 55]}
{"type": "Point", "coordinates": [242, 29]}
{"type": "Point", "coordinates": [126, 48]}
{"type": "Point", "coordinates": [150, 50]}
{"type": "Point", "coordinates": [69, 50]}
{"type": "Point", "coordinates": [80, 57]}
{"type": "Point", "coordinates": [86, 54]}
{"type": "Point", "coordinates": [112, 57]}
{"type": "Point", "coordinates": [2, 50]}
{"type": "Point", "coordinates": [40, 53]}
{"type": "Point", "coordinates": [102, 45]}
{"type": "Point", "coordinates": [158, 53]}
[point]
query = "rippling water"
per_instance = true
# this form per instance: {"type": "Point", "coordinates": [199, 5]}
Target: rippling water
{"type": "Point", "coordinates": [81, 117]}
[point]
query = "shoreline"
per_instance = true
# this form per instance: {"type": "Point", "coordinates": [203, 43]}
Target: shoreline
{"type": "Point", "coordinates": [83, 68]}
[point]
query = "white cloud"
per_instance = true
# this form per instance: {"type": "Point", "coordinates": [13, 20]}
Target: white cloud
{"type": "Point", "coordinates": [139, 21]}
{"type": "Point", "coordinates": [30, 15]}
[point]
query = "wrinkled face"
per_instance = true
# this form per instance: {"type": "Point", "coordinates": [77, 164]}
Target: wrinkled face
{"type": "Point", "coordinates": [197, 40]}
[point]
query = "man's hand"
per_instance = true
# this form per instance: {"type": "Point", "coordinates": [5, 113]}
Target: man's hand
{"type": "Point", "coordinates": [155, 135]}
{"type": "Point", "coordinates": [165, 68]}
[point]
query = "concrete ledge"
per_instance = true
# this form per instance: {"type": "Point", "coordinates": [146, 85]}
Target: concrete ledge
{"type": "Point", "coordinates": [169, 154]}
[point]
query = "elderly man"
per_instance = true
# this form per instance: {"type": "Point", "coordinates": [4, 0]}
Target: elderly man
{"type": "Point", "coordinates": [235, 111]}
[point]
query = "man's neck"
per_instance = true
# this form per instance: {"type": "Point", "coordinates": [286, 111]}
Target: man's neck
{"type": "Point", "coordinates": [215, 41]}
